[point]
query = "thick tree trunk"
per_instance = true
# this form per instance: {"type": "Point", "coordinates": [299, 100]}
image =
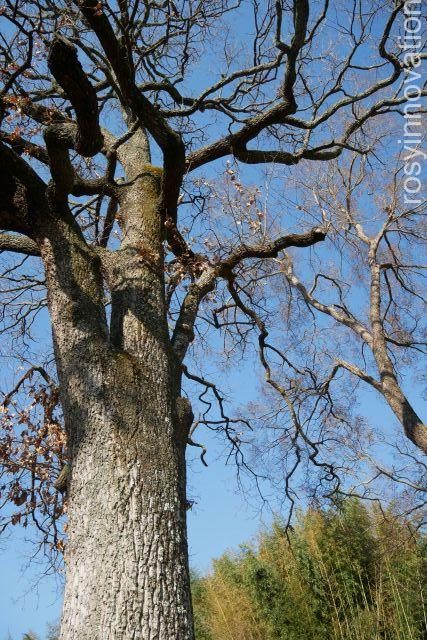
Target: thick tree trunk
{"type": "Point", "coordinates": [126, 560]}
{"type": "Point", "coordinates": [126, 557]}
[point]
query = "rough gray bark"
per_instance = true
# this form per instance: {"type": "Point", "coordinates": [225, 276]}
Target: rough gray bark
{"type": "Point", "coordinates": [126, 557]}
{"type": "Point", "coordinates": [127, 564]}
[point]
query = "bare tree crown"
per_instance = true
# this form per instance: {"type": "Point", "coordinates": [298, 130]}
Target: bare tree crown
{"type": "Point", "coordinates": [112, 114]}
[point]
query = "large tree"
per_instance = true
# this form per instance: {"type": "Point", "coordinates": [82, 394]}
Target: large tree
{"type": "Point", "coordinates": [107, 122]}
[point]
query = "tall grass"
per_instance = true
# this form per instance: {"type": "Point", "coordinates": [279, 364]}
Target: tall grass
{"type": "Point", "coordinates": [350, 573]}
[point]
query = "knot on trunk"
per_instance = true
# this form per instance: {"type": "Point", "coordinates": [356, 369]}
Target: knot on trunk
{"type": "Point", "coordinates": [61, 483]}
{"type": "Point", "coordinates": [185, 417]}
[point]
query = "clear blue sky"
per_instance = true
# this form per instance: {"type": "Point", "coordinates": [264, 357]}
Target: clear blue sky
{"type": "Point", "coordinates": [221, 518]}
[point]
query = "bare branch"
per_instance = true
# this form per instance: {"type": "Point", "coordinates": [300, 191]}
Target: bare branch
{"type": "Point", "coordinates": [18, 244]}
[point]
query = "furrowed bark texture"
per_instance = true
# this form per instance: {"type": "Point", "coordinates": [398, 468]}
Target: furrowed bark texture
{"type": "Point", "coordinates": [126, 558]}
{"type": "Point", "coordinates": [127, 571]}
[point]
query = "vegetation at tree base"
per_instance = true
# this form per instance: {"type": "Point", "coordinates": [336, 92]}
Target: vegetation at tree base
{"type": "Point", "coordinates": [346, 573]}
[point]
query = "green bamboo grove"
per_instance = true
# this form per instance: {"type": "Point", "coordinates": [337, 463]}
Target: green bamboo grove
{"type": "Point", "coordinates": [346, 573]}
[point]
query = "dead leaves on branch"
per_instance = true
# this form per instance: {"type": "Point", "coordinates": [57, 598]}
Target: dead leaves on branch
{"type": "Point", "coordinates": [32, 453]}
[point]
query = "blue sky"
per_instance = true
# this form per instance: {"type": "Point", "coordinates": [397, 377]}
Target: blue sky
{"type": "Point", "coordinates": [221, 518]}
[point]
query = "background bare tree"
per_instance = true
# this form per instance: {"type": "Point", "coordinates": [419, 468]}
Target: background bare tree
{"type": "Point", "coordinates": [314, 318]}
{"type": "Point", "coordinates": [107, 126]}
{"type": "Point", "coordinates": [385, 238]}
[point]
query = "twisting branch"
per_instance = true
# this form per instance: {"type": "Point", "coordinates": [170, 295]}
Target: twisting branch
{"type": "Point", "coordinates": [27, 375]}
{"type": "Point", "coordinates": [183, 333]}
{"type": "Point", "coordinates": [272, 249]}
{"type": "Point", "coordinates": [299, 431]}
{"type": "Point", "coordinates": [225, 422]}
{"type": "Point", "coordinates": [65, 67]}
{"type": "Point", "coordinates": [139, 108]}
